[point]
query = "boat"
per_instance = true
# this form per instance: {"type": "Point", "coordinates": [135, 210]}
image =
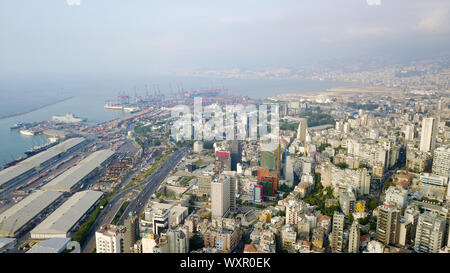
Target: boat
{"type": "Point", "coordinates": [17, 126]}
{"type": "Point", "coordinates": [113, 106]}
{"type": "Point", "coordinates": [14, 162]}
{"type": "Point", "coordinates": [27, 132]}
{"type": "Point", "coordinates": [131, 110]}
{"type": "Point", "coordinates": [41, 148]}
{"type": "Point", "coordinates": [68, 118]}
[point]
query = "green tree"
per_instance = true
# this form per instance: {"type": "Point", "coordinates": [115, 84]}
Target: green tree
{"type": "Point", "coordinates": [196, 242]}
{"type": "Point", "coordinates": [373, 204]}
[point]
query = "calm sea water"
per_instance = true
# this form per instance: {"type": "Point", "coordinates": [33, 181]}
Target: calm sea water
{"type": "Point", "coordinates": [89, 104]}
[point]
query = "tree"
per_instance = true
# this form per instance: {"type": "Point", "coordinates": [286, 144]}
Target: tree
{"type": "Point", "coordinates": [373, 204]}
{"type": "Point", "coordinates": [350, 217]}
{"type": "Point", "coordinates": [195, 242]}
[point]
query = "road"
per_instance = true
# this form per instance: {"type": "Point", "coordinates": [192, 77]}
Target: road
{"type": "Point", "coordinates": [151, 183]}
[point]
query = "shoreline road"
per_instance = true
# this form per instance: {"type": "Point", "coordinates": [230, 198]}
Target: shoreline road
{"type": "Point", "coordinates": [150, 184]}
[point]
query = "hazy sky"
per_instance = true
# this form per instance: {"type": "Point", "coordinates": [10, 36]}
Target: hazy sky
{"type": "Point", "coordinates": [117, 38]}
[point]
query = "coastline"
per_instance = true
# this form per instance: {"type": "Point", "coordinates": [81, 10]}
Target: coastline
{"type": "Point", "coordinates": [33, 109]}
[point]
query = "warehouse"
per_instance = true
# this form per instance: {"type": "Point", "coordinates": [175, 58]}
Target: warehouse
{"type": "Point", "coordinates": [32, 165]}
{"type": "Point", "coordinates": [17, 218]}
{"type": "Point", "coordinates": [75, 176]}
{"type": "Point", "coordinates": [60, 223]}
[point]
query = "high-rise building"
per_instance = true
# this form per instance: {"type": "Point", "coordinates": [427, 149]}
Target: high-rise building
{"type": "Point", "coordinates": [428, 136]}
{"type": "Point", "coordinates": [223, 160]}
{"type": "Point", "coordinates": [301, 131]}
{"type": "Point", "coordinates": [441, 161]}
{"type": "Point", "coordinates": [132, 231]}
{"type": "Point", "coordinates": [347, 202]}
{"type": "Point", "coordinates": [337, 233]}
{"type": "Point", "coordinates": [109, 239]}
{"type": "Point", "coordinates": [387, 224]}
{"type": "Point", "coordinates": [173, 241]}
{"type": "Point", "coordinates": [233, 187]}
{"type": "Point", "coordinates": [198, 146]}
{"type": "Point", "coordinates": [409, 132]}
{"type": "Point", "coordinates": [354, 238]}
{"type": "Point", "coordinates": [293, 211]}
{"type": "Point", "coordinates": [269, 180]}
{"type": "Point", "coordinates": [255, 194]}
{"type": "Point", "coordinates": [289, 170]}
{"type": "Point", "coordinates": [160, 220]}
{"type": "Point", "coordinates": [236, 154]}
{"type": "Point", "coordinates": [429, 233]}
{"type": "Point", "coordinates": [220, 196]}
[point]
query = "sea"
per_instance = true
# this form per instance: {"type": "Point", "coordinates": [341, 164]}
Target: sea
{"type": "Point", "coordinates": [88, 102]}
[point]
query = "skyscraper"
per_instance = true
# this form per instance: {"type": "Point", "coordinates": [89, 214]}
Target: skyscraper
{"type": "Point", "coordinates": [220, 196]}
{"type": "Point", "coordinates": [354, 238]}
{"type": "Point", "coordinates": [409, 132]}
{"type": "Point", "coordinates": [236, 154]}
{"type": "Point", "coordinates": [132, 230]}
{"type": "Point", "coordinates": [337, 232]}
{"type": "Point", "coordinates": [441, 161]}
{"type": "Point", "coordinates": [429, 233]}
{"type": "Point", "coordinates": [301, 131]}
{"type": "Point", "coordinates": [387, 224]}
{"type": "Point", "coordinates": [428, 136]}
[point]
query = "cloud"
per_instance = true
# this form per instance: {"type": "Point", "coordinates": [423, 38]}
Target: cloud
{"type": "Point", "coordinates": [373, 2]}
{"type": "Point", "coordinates": [434, 20]}
{"type": "Point", "coordinates": [73, 2]}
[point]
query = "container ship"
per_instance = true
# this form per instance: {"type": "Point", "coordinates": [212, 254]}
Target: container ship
{"type": "Point", "coordinates": [68, 118]}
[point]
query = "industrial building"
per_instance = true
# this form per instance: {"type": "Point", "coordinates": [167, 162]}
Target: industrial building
{"type": "Point", "coordinates": [32, 165]}
{"type": "Point", "coordinates": [75, 176]}
{"type": "Point", "coordinates": [55, 245]}
{"type": "Point", "coordinates": [60, 223]}
{"type": "Point", "coordinates": [16, 219]}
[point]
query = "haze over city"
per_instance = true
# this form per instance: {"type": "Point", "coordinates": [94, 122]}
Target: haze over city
{"type": "Point", "coordinates": [225, 127]}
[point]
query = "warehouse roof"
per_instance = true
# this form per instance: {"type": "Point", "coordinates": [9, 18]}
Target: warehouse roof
{"type": "Point", "coordinates": [53, 245]}
{"type": "Point", "coordinates": [37, 160]}
{"type": "Point", "coordinates": [68, 214]}
{"type": "Point", "coordinates": [23, 212]}
{"type": "Point", "coordinates": [71, 177]}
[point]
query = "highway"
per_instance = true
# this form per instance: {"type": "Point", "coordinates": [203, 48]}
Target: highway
{"type": "Point", "coordinates": [151, 184]}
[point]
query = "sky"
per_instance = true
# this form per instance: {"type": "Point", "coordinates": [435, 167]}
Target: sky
{"type": "Point", "coordinates": [107, 39]}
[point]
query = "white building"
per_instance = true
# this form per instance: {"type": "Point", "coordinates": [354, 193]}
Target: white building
{"type": "Point", "coordinates": [301, 131]}
{"type": "Point", "coordinates": [220, 197]}
{"type": "Point", "coordinates": [397, 196]}
{"type": "Point", "coordinates": [429, 233]}
{"type": "Point", "coordinates": [108, 239]}
{"type": "Point", "coordinates": [198, 146]}
{"type": "Point", "coordinates": [60, 223]}
{"type": "Point", "coordinates": [441, 161]}
{"type": "Point", "coordinates": [15, 219]}
{"type": "Point", "coordinates": [428, 136]}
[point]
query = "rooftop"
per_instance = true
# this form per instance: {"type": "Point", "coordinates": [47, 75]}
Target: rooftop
{"type": "Point", "coordinates": [68, 214]}
{"type": "Point", "coordinates": [20, 214]}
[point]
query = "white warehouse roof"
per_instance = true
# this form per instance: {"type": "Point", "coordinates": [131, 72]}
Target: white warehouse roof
{"type": "Point", "coordinates": [26, 210]}
{"type": "Point", "coordinates": [54, 245]}
{"type": "Point", "coordinates": [70, 178]}
{"type": "Point", "coordinates": [37, 160]}
{"type": "Point", "coordinates": [62, 220]}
